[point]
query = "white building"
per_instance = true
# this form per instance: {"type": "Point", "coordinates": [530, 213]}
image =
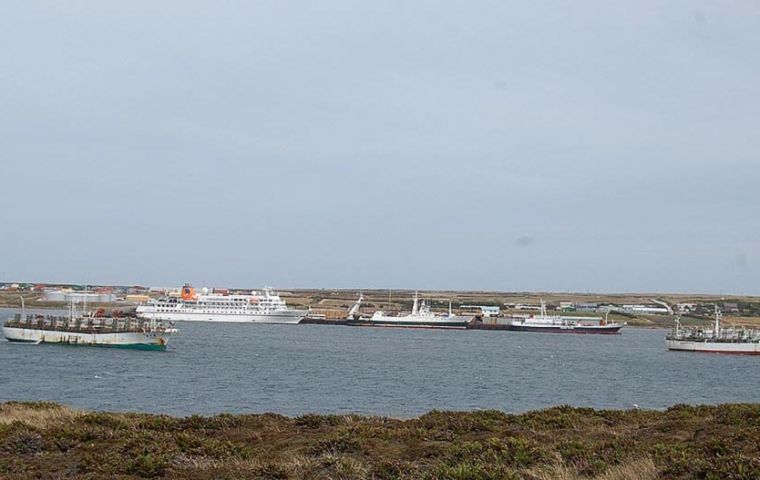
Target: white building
{"type": "Point", "coordinates": [486, 310]}
{"type": "Point", "coordinates": [682, 308]}
{"type": "Point", "coordinates": [66, 296]}
{"type": "Point", "coordinates": [646, 309]}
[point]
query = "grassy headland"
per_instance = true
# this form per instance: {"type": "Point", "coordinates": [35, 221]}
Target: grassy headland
{"type": "Point", "coordinates": [46, 440]}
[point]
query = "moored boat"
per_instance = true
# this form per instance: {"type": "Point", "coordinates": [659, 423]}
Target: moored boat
{"type": "Point", "coordinates": [258, 307]}
{"type": "Point", "coordinates": [738, 341]}
{"type": "Point", "coordinates": [420, 317]}
{"type": "Point", "coordinates": [544, 323]}
{"type": "Point", "coordinates": [90, 330]}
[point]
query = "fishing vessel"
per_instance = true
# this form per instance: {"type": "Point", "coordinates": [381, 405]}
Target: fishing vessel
{"type": "Point", "coordinates": [420, 317]}
{"type": "Point", "coordinates": [742, 341]}
{"type": "Point", "coordinates": [558, 324]}
{"type": "Point", "coordinates": [95, 330]}
{"type": "Point", "coordinates": [258, 307]}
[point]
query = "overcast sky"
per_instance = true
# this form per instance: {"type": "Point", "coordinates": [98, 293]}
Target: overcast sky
{"type": "Point", "coordinates": [559, 146]}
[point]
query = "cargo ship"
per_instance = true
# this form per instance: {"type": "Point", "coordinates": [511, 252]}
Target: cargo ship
{"type": "Point", "coordinates": [94, 330]}
{"type": "Point", "coordinates": [420, 317]}
{"type": "Point", "coordinates": [544, 323]}
{"type": "Point", "coordinates": [258, 307]}
{"type": "Point", "coordinates": [738, 341]}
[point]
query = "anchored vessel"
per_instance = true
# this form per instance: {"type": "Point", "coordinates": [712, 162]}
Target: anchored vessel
{"type": "Point", "coordinates": [558, 324]}
{"type": "Point", "coordinates": [89, 330]}
{"type": "Point", "coordinates": [258, 307]}
{"type": "Point", "coordinates": [743, 341]}
{"type": "Point", "coordinates": [421, 317]}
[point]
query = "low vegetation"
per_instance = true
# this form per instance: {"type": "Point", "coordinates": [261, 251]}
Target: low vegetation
{"type": "Point", "coordinates": [46, 440]}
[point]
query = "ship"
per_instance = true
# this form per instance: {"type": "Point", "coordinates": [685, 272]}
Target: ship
{"type": "Point", "coordinates": [739, 341]}
{"type": "Point", "coordinates": [93, 330]}
{"type": "Point", "coordinates": [319, 316]}
{"type": "Point", "coordinates": [258, 307]}
{"type": "Point", "coordinates": [544, 323]}
{"type": "Point", "coordinates": [420, 317]}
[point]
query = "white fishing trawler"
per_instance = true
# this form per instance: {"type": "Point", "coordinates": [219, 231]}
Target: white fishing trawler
{"type": "Point", "coordinates": [258, 307]}
{"type": "Point", "coordinates": [742, 341]}
{"type": "Point", "coordinates": [420, 317]}
{"type": "Point", "coordinates": [559, 324]}
{"type": "Point", "coordinates": [95, 330]}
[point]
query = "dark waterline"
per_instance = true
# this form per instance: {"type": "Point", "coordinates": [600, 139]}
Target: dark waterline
{"type": "Point", "coordinates": [295, 369]}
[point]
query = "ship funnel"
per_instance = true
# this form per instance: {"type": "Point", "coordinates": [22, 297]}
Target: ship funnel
{"type": "Point", "coordinates": [188, 292]}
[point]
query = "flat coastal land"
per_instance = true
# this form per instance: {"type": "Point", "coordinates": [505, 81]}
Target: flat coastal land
{"type": "Point", "coordinates": [46, 440]}
{"type": "Point", "coordinates": [340, 301]}
{"type": "Point", "coordinates": [401, 300]}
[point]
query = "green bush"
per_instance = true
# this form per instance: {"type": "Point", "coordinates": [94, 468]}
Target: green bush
{"type": "Point", "coordinates": [148, 465]}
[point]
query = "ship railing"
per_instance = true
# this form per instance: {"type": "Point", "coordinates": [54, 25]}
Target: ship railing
{"type": "Point", "coordinates": [731, 335]}
{"type": "Point", "coordinates": [91, 324]}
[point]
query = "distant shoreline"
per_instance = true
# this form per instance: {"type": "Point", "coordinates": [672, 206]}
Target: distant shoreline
{"type": "Point", "coordinates": [339, 301]}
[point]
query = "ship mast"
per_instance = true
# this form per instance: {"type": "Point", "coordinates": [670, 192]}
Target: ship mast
{"type": "Point", "coordinates": [718, 316]}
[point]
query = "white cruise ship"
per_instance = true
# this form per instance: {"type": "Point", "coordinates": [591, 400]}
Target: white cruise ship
{"type": "Point", "coordinates": [258, 307]}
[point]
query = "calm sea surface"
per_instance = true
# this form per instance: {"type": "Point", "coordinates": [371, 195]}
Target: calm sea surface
{"type": "Point", "coordinates": [294, 369]}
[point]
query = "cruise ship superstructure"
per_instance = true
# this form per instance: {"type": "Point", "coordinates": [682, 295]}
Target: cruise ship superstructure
{"type": "Point", "coordinates": [263, 306]}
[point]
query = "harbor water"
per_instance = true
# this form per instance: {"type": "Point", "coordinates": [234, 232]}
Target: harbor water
{"type": "Point", "coordinates": [295, 369]}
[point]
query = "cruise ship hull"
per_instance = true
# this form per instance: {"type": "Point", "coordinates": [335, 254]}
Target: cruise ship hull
{"type": "Point", "coordinates": [134, 340]}
{"type": "Point", "coordinates": [733, 348]}
{"type": "Point", "coordinates": [289, 317]}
